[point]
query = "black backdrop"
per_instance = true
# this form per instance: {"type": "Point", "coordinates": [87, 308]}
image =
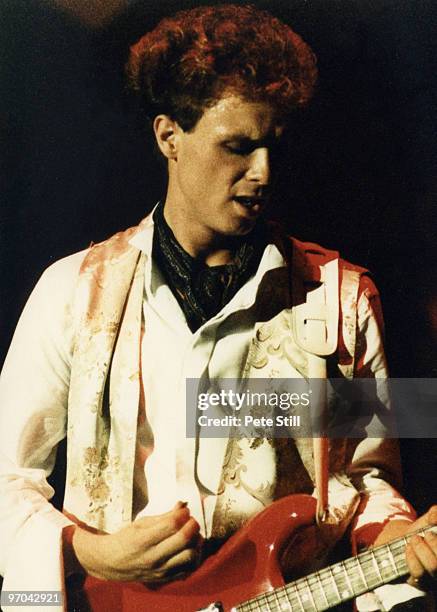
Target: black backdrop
{"type": "Point", "coordinates": [359, 175]}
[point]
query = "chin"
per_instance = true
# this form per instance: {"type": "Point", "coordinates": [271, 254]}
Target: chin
{"type": "Point", "coordinates": [239, 231]}
{"type": "Point", "coordinates": [243, 227]}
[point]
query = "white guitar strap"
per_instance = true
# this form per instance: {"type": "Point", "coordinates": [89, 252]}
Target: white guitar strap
{"type": "Point", "coordinates": [315, 328]}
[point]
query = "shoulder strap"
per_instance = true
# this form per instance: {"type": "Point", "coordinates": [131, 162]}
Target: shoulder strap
{"type": "Point", "coordinates": [325, 294]}
{"type": "Point", "coordinates": [315, 295]}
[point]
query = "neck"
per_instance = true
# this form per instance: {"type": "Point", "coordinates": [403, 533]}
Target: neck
{"type": "Point", "coordinates": [340, 582]}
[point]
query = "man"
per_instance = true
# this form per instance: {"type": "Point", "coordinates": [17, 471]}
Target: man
{"type": "Point", "coordinates": [201, 289]}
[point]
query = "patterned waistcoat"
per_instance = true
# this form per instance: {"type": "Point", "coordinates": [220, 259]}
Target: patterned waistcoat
{"type": "Point", "coordinates": [106, 379]}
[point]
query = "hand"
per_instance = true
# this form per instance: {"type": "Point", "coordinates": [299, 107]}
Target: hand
{"type": "Point", "coordinates": [153, 549]}
{"type": "Point", "coordinates": [421, 552]}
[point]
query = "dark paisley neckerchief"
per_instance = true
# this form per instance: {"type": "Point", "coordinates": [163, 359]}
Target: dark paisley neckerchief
{"type": "Point", "coordinates": [203, 290]}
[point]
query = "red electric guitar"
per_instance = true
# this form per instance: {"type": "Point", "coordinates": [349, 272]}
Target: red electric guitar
{"type": "Point", "coordinates": [245, 576]}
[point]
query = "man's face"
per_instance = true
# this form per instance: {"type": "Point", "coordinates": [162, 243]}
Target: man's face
{"type": "Point", "coordinates": [222, 174]}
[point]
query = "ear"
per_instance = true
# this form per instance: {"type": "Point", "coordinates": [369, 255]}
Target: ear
{"type": "Point", "coordinates": [166, 133]}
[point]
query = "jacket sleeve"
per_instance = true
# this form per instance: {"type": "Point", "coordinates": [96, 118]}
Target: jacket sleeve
{"type": "Point", "coordinates": [375, 468]}
{"type": "Point", "coordinates": [33, 412]}
{"type": "Point", "coordinates": [375, 465]}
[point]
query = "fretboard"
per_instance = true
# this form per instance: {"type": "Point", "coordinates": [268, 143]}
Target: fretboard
{"type": "Point", "coordinates": [337, 583]}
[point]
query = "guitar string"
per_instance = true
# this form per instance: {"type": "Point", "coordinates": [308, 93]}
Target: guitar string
{"type": "Point", "coordinates": [395, 551]}
{"type": "Point", "coordinates": [322, 580]}
{"type": "Point", "coordinates": [307, 587]}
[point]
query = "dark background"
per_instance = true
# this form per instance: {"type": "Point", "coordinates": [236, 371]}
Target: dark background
{"type": "Point", "coordinates": [359, 176]}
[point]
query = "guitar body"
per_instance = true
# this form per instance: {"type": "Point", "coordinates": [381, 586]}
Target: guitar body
{"type": "Point", "coordinates": [246, 566]}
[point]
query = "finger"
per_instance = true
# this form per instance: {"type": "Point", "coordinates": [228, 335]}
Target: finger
{"type": "Point", "coordinates": [177, 567]}
{"type": "Point", "coordinates": [167, 526]}
{"type": "Point", "coordinates": [186, 537]}
{"type": "Point", "coordinates": [431, 541]}
{"type": "Point", "coordinates": [432, 515]}
{"type": "Point", "coordinates": [429, 518]}
{"type": "Point", "coordinates": [414, 565]}
{"type": "Point", "coordinates": [146, 521]}
{"type": "Point", "coordinates": [184, 561]}
{"type": "Point", "coordinates": [423, 554]}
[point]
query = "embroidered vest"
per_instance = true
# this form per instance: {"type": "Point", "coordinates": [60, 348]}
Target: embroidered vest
{"type": "Point", "coordinates": [105, 376]}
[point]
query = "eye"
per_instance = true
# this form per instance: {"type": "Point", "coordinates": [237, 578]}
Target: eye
{"type": "Point", "coordinates": [239, 148]}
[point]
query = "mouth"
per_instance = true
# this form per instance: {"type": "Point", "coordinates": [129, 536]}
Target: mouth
{"type": "Point", "coordinates": [252, 203]}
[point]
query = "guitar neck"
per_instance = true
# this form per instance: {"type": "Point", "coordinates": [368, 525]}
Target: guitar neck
{"type": "Point", "coordinates": [339, 582]}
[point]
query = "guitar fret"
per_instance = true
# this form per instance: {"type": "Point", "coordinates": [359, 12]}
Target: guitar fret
{"type": "Point", "coordinates": [375, 563]}
{"type": "Point", "coordinates": [330, 587]}
{"type": "Point", "coordinates": [363, 578]}
{"type": "Point", "coordinates": [292, 596]}
{"type": "Point", "coordinates": [375, 571]}
{"type": "Point", "coordinates": [276, 596]}
{"type": "Point", "coordinates": [334, 583]}
{"type": "Point", "coordinates": [385, 565]}
{"type": "Point", "coordinates": [331, 595]}
{"type": "Point", "coordinates": [326, 588]}
{"type": "Point", "coordinates": [297, 594]}
{"type": "Point", "coordinates": [372, 575]}
{"type": "Point", "coordinates": [261, 603]}
{"type": "Point", "coordinates": [390, 554]}
{"type": "Point", "coordinates": [285, 604]}
{"type": "Point", "coordinates": [266, 598]}
{"type": "Point", "coordinates": [339, 580]}
{"type": "Point", "coordinates": [306, 595]}
{"type": "Point", "coordinates": [404, 560]}
{"type": "Point", "coordinates": [258, 602]}
{"type": "Point", "coordinates": [299, 599]}
{"type": "Point", "coordinates": [354, 580]}
{"type": "Point", "coordinates": [310, 592]}
{"type": "Point", "coordinates": [347, 578]}
{"type": "Point", "coordinates": [321, 588]}
{"type": "Point", "coordinates": [294, 600]}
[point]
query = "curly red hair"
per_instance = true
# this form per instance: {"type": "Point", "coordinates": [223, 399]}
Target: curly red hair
{"type": "Point", "coordinates": [191, 59]}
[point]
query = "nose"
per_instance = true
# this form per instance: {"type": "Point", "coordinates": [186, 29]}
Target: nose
{"type": "Point", "coordinates": [259, 168]}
